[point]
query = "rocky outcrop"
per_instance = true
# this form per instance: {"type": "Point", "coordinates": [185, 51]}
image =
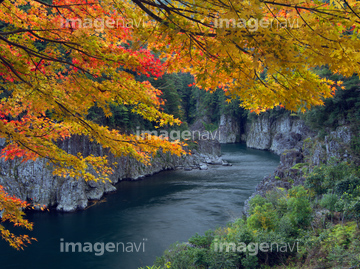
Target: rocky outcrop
{"type": "Point", "coordinates": [229, 130]}
{"type": "Point", "coordinates": [34, 180]}
{"type": "Point", "coordinates": [280, 178]}
{"type": "Point", "coordinates": [276, 134]}
{"type": "Point", "coordinates": [336, 144]}
{"type": "Point", "coordinates": [297, 146]}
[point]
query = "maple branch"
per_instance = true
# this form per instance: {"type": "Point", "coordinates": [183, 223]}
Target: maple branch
{"type": "Point", "coordinates": [297, 11]}
{"type": "Point", "coordinates": [64, 43]}
{"type": "Point", "coordinates": [12, 69]}
{"type": "Point", "coordinates": [61, 6]}
{"type": "Point", "coordinates": [351, 9]}
{"type": "Point", "coordinates": [151, 14]}
{"type": "Point", "coordinates": [162, 21]}
{"type": "Point", "coordinates": [27, 30]}
{"type": "Point", "coordinates": [175, 10]}
{"type": "Point", "coordinates": [305, 8]}
{"type": "Point", "coordinates": [36, 152]}
{"type": "Point", "coordinates": [287, 30]}
{"type": "Point", "coordinates": [42, 56]}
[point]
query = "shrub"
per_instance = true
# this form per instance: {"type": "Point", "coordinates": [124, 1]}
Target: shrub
{"type": "Point", "coordinates": [202, 241]}
{"type": "Point", "coordinates": [263, 217]}
{"type": "Point", "coordinates": [328, 201]}
{"type": "Point", "coordinates": [299, 208]}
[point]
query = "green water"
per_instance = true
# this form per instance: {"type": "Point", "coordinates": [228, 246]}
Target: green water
{"type": "Point", "coordinates": [144, 216]}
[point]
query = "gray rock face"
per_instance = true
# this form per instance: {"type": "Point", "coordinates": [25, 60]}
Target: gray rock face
{"type": "Point", "coordinates": [335, 142]}
{"type": "Point", "coordinates": [296, 144]}
{"type": "Point", "coordinates": [335, 145]}
{"type": "Point", "coordinates": [229, 130]}
{"type": "Point", "coordinates": [34, 181]}
{"type": "Point", "coordinates": [72, 195]}
{"type": "Point", "coordinates": [258, 133]}
{"type": "Point", "coordinates": [278, 135]}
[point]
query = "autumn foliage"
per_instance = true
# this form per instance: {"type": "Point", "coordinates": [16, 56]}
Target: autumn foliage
{"type": "Point", "coordinates": [51, 65]}
{"type": "Point", "coordinates": [12, 212]}
{"type": "Point", "coordinates": [48, 67]}
{"type": "Point", "coordinates": [263, 52]}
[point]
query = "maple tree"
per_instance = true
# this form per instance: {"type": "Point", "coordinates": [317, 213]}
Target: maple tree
{"type": "Point", "coordinates": [50, 65]}
{"type": "Point", "coordinates": [261, 51]}
{"type": "Point", "coordinates": [59, 56]}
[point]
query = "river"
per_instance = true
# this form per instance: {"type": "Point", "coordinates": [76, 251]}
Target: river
{"type": "Point", "coordinates": [140, 220]}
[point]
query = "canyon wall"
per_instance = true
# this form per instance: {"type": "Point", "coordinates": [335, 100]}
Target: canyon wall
{"type": "Point", "coordinates": [296, 144]}
{"type": "Point", "coordinates": [34, 180]}
{"type": "Point", "coordinates": [276, 134]}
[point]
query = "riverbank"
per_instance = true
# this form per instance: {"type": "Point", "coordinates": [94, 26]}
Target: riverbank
{"type": "Point", "coordinates": [34, 181]}
{"type": "Point", "coordinates": [164, 208]}
{"type": "Point", "coordinates": [308, 208]}
{"type": "Point", "coordinates": [298, 146]}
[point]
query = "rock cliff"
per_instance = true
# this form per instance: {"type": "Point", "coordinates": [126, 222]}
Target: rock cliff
{"type": "Point", "coordinates": [296, 144]}
{"type": "Point", "coordinates": [229, 130]}
{"type": "Point", "coordinates": [34, 181]}
{"type": "Point", "coordinates": [276, 134]}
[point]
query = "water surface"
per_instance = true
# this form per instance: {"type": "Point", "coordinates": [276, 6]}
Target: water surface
{"type": "Point", "coordinates": [152, 214]}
